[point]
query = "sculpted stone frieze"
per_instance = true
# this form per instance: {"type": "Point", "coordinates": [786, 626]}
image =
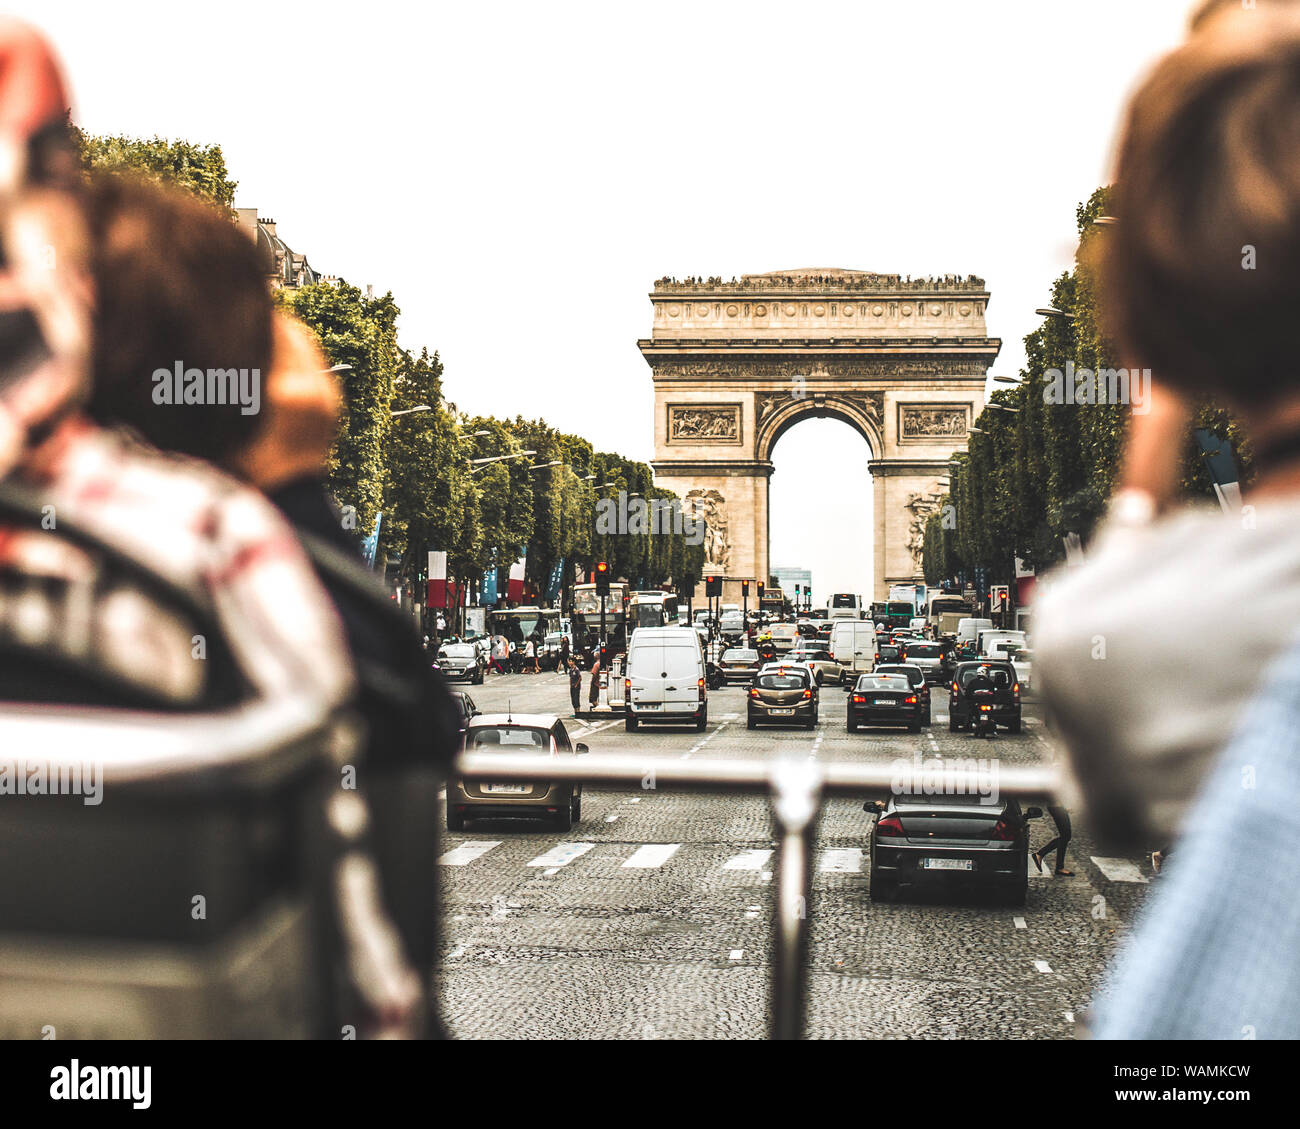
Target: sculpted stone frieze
{"type": "Point", "coordinates": [831, 369]}
{"type": "Point", "coordinates": [711, 507]}
{"type": "Point", "coordinates": [938, 421]}
{"type": "Point", "coordinates": [716, 423]}
{"type": "Point", "coordinates": [871, 404]}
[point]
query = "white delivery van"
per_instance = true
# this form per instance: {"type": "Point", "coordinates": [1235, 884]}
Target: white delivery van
{"type": "Point", "coordinates": [968, 630]}
{"type": "Point", "coordinates": [853, 646]}
{"type": "Point", "coordinates": [665, 677]}
{"type": "Point", "coordinates": [784, 637]}
{"type": "Point", "coordinates": [999, 639]}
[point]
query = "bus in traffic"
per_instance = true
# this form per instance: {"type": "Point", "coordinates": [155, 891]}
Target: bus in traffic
{"type": "Point", "coordinates": [586, 617]}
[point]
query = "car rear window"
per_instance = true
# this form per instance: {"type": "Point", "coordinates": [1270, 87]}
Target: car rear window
{"type": "Point", "coordinates": [914, 677]}
{"type": "Point", "coordinates": [739, 656]}
{"type": "Point", "coordinates": [884, 682]}
{"type": "Point", "coordinates": [923, 650]}
{"type": "Point", "coordinates": [509, 739]}
{"type": "Point", "coordinates": [791, 680]}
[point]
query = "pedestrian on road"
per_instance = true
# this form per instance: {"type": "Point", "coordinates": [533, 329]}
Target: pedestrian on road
{"type": "Point", "coordinates": [530, 656]}
{"type": "Point", "coordinates": [564, 650]}
{"type": "Point", "coordinates": [1061, 818]}
{"type": "Point", "coordinates": [500, 652]}
{"type": "Point", "coordinates": [593, 694]}
{"type": "Point", "coordinates": [575, 685]}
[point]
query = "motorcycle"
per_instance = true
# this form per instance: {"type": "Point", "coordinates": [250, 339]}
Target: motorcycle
{"type": "Point", "coordinates": [982, 721]}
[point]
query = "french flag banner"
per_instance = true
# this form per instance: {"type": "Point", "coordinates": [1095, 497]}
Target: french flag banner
{"type": "Point", "coordinates": [437, 580]}
{"type": "Point", "coordinates": [515, 586]}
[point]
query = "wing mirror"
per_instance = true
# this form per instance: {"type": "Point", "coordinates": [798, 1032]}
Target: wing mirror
{"type": "Point", "coordinates": [581, 747]}
{"type": "Point", "coordinates": [1033, 813]}
{"type": "Point", "coordinates": [874, 805]}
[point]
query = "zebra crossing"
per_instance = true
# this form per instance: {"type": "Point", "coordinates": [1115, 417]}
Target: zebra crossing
{"type": "Point", "coordinates": [652, 856]}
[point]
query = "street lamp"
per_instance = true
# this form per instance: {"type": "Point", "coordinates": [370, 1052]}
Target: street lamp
{"type": "Point", "coordinates": [1001, 407]}
{"type": "Point", "coordinates": [976, 430]}
{"type": "Point", "coordinates": [409, 411]}
{"type": "Point", "coordinates": [1008, 380]}
{"type": "Point", "coordinates": [1053, 312]}
{"type": "Point", "coordinates": [543, 466]}
{"type": "Point", "coordinates": [479, 464]}
{"type": "Point", "coordinates": [1105, 221]}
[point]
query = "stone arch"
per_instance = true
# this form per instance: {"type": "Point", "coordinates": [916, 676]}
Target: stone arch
{"type": "Point", "coordinates": [857, 411]}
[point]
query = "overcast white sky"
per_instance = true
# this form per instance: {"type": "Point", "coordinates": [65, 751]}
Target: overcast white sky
{"type": "Point", "coordinates": [518, 174]}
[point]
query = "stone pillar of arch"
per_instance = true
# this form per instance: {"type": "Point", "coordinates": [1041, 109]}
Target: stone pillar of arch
{"type": "Point", "coordinates": [737, 364]}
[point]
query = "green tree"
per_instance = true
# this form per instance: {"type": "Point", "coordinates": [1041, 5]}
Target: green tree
{"type": "Point", "coordinates": [359, 332]}
{"type": "Point", "coordinates": [200, 169]}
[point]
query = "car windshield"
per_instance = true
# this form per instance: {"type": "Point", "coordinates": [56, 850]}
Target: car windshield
{"type": "Point", "coordinates": [884, 682]}
{"type": "Point", "coordinates": [738, 656]}
{"type": "Point", "coordinates": [913, 675]}
{"type": "Point", "coordinates": [509, 739]}
{"type": "Point", "coordinates": [788, 681]}
{"type": "Point", "coordinates": [460, 651]}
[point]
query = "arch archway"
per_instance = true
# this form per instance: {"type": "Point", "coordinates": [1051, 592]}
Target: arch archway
{"type": "Point", "coordinates": [735, 365]}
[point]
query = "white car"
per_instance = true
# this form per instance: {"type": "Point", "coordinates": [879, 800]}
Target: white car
{"type": "Point", "coordinates": [819, 660]}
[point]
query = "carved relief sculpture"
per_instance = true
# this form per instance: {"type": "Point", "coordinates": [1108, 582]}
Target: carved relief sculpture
{"type": "Point", "coordinates": [710, 507]}
{"type": "Point", "coordinates": [716, 423]}
{"type": "Point", "coordinates": [920, 507]}
{"type": "Point", "coordinates": [940, 421]}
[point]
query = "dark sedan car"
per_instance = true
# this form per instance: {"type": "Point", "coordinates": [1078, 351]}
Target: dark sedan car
{"type": "Point", "coordinates": [955, 840]}
{"type": "Point", "coordinates": [783, 694]}
{"type": "Point", "coordinates": [739, 664]}
{"type": "Point", "coordinates": [916, 676]}
{"type": "Point", "coordinates": [461, 660]}
{"type": "Point", "coordinates": [1002, 680]}
{"type": "Point", "coordinates": [885, 699]}
{"type": "Point", "coordinates": [465, 707]}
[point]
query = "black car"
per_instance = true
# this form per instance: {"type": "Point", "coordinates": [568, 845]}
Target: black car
{"type": "Point", "coordinates": [1006, 694]}
{"type": "Point", "coordinates": [461, 660]}
{"type": "Point", "coordinates": [739, 664]}
{"type": "Point", "coordinates": [889, 653]}
{"type": "Point", "coordinates": [465, 707]}
{"type": "Point", "coordinates": [885, 699]}
{"type": "Point", "coordinates": [916, 676]}
{"type": "Point", "coordinates": [784, 694]}
{"type": "Point", "coordinates": [965, 840]}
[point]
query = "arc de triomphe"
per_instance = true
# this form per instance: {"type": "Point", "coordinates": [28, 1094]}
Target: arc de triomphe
{"type": "Point", "coordinates": [736, 364]}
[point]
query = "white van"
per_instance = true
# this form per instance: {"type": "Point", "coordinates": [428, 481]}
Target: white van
{"type": "Point", "coordinates": [998, 639]}
{"type": "Point", "coordinates": [784, 637]}
{"type": "Point", "coordinates": [853, 646]}
{"type": "Point", "coordinates": [968, 630]}
{"type": "Point", "coordinates": [665, 679]}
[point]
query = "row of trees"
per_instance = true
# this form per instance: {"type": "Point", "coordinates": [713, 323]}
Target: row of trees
{"type": "Point", "coordinates": [1038, 471]}
{"type": "Point", "coordinates": [405, 452]}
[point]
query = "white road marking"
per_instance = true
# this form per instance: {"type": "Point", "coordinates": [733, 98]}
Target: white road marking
{"type": "Point", "coordinates": [553, 870]}
{"type": "Point", "coordinates": [747, 860]}
{"type": "Point", "coordinates": [736, 954]}
{"type": "Point", "coordinates": [704, 741]}
{"type": "Point", "coordinates": [562, 854]}
{"type": "Point", "coordinates": [1120, 870]}
{"type": "Point", "coordinates": [1042, 966]}
{"type": "Point", "coordinates": [610, 818]}
{"type": "Point", "coordinates": [635, 800]}
{"type": "Point", "coordinates": [1069, 1017]}
{"type": "Point", "coordinates": [466, 853]}
{"type": "Point", "coordinates": [751, 913]}
{"type": "Point", "coordinates": [1020, 923]}
{"type": "Point", "coordinates": [459, 950]}
{"type": "Point", "coordinates": [652, 855]}
{"type": "Point", "coordinates": [842, 860]}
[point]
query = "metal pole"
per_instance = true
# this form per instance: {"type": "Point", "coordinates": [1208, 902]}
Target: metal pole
{"type": "Point", "coordinates": [796, 801]}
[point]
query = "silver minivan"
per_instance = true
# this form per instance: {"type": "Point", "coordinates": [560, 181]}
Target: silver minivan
{"type": "Point", "coordinates": [665, 679]}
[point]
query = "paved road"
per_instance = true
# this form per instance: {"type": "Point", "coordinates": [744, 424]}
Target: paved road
{"type": "Point", "coordinates": [651, 918]}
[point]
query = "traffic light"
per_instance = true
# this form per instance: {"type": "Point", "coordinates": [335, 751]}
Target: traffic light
{"type": "Point", "coordinates": [713, 586]}
{"type": "Point", "coordinates": [760, 589]}
{"type": "Point", "coordinates": [744, 587]}
{"type": "Point", "coordinates": [602, 578]}
{"type": "Point", "coordinates": [604, 656]}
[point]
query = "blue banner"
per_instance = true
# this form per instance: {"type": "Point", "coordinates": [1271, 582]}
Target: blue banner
{"type": "Point", "coordinates": [553, 585]}
{"type": "Point", "coordinates": [489, 587]}
{"type": "Point", "coordinates": [370, 545]}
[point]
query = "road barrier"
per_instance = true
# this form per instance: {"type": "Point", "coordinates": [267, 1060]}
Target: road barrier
{"type": "Point", "coordinates": [797, 787]}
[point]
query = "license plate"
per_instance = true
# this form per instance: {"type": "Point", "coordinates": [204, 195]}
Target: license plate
{"type": "Point", "coordinates": [884, 702]}
{"type": "Point", "coordinates": [648, 706]}
{"type": "Point", "coordinates": [947, 864]}
{"type": "Point", "coordinates": [508, 789]}
{"type": "Point", "coordinates": [781, 712]}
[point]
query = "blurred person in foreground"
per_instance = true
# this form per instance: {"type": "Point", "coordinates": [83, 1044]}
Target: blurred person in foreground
{"type": "Point", "coordinates": [182, 279]}
{"type": "Point", "coordinates": [1174, 724]}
